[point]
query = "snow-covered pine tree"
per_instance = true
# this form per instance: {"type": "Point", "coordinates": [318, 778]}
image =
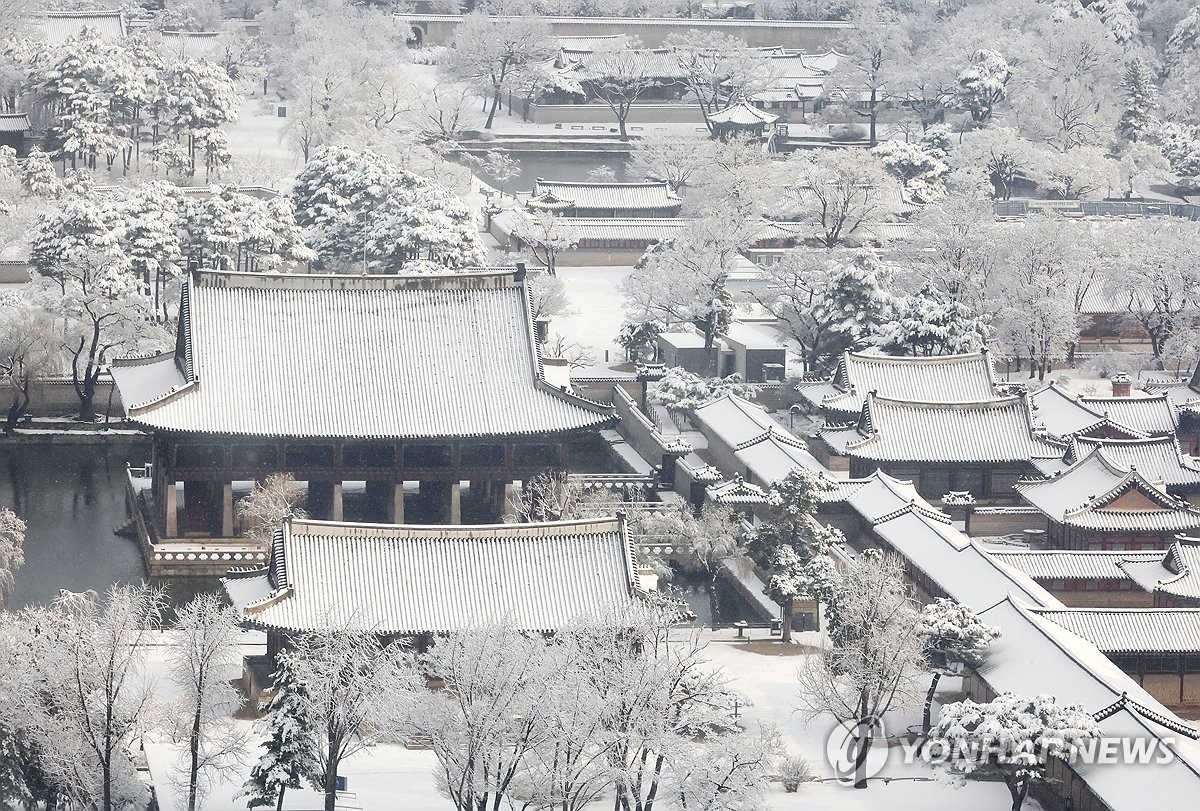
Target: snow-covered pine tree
{"type": "Point", "coordinates": [929, 322]}
{"type": "Point", "coordinates": [287, 760]}
{"type": "Point", "coordinates": [1141, 100]}
{"type": "Point", "coordinates": [38, 177]}
{"type": "Point", "coordinates": [954, 636]}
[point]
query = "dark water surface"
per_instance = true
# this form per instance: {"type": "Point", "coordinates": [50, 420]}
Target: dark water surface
{"type": "Point", "coordinates": [72, 497]}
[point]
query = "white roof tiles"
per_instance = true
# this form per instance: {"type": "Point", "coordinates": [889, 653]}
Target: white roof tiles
{"type": "Point", "coordinates": [998, 430]}
{"type": "Point", "coordinates": [59, 26]}
{"type": "Point", "coordinates": [14, 122]}
{"type": "Point", "coordinates": [773, 455]}
{"type": "Point", "coordinates": [1035, 656]}
{"type": "Point", "coordinates": [743, 114]}
{"type": "Point", "coordinates": [1158, 458]}
{"type": "Point", "coordinates": [1132, 630]}
{"type": "Point", "coordinates": [358, 356]}
{"type": "Point", "coordinates": [1154, 415]}
{"type": "Point", "coordinates": [1100, 495]}
{"type": "Point", "coordinates": [409, 580]}
{"type": "Point", "coordinates": [1074, 564]}
{"type": "Point", "coordinates": [734, 419]}
{"type": "Point", "coordinates": [947, 378]}
{"type": "Point", "coordinates": [616, 196]}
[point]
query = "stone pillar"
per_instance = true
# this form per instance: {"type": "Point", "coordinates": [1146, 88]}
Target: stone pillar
{"type": "Point", "coordinates": [227, 510]}
{"type": "Point", "coordinates": [455, 502]}
{"type": "Point", "coordinates": [506, 509]}
{"type": "Point", "coordinates": [320, 500]}
{"type": "Point", "coordinates": [336, 508]}
{"type": "Point", "coordinates": [396, 505]}
{"type": "Point", "coordinates": [170, 510]}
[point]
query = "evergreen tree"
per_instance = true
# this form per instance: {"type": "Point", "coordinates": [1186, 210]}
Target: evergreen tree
{"type": "Point", "coordinates": [38, 177]}
{"type": "Point", "coordinates": [287, 760]}
{"type": "Point", "coordinates": [931, 323]}
{"type": "Point", "coordinates": [954, 636]}
{"type": "Point", "coordinates": [1141, 101]}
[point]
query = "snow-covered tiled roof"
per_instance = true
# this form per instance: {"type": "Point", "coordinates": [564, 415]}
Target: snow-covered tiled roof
{"type": "Point", "coordinates": [1158, 458]}
{"type": "Point", "coordinates": [743, 114]}
{"type": "Point", "coordinates": [59, 26]}
{"type": "Point", "coordinates": [872, 497]}
{"type": "Point", "coordinates": [1035, 656]}
{"type": "Point", "coordinates": [1061, 564]}
{"type": "Point", "coordinates": [961, 568]}
{"type": "Point", "coordinates": [1098, 494]}
{"type": "Point", "coordinates": [410, 579]}
{"type": "Point", "coordinates": [1063, 414]}
{"type": "Point", "coordinates": [14, 122]}
{"type": "Point", "coordinates": [737, 492]}
{"type": "Point", "coordinates": [356, 356]}
{"type": "Point", "coordinates": [997, 430]}
{"type": "Point", "coordinates": [773, 454]}
{"type": "Point", "coordinates": [194, 44]}
{"type": "Point", "coordinates": [618, 196]}
{"type": "Point", "coordinates": [1132, 630]}
{"type": "Point", "coordinates": [1153, 415]}
{"type": "Point", "coordinates": [734, 419]}
{"type": "Point", "coordinates": [946, 378]}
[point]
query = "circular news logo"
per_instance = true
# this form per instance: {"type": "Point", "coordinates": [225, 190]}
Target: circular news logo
{"type": "Point", "coordinates": [857, 750]}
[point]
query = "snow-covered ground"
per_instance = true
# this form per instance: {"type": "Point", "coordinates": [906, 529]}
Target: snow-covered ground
{"type": "Point", "coordinates": [598, 312]}
{"type": "Point", "coordinates": [391, 777]}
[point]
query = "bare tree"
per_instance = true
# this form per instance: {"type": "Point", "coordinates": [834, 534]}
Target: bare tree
{"type": "Point", "coordinates": [27, 349]}
{"type": "Point", "coordinates": [264, 508]}
{"type": "Point", "coordinates": [659, 155]}
{"type": "Point", "coordinates": [352, 688]}
{"type": "Point", "coordinates": [711, 538]}
{"type": "Point", "coordinates": [94, 692]}
{"type": "Point", "coordinates": [491, 52]}
{"type": "Point", "coordinates": [839, 191]}
{"type": "Point", "coordinates": [875, 654]}
{"type": "Point", "coordinates": [204, 657]}
{"type": "Point", "coordinates": [619, 76]}
{"type": "Point", "coordinates": [547, 235]}
{"type": "Point", "coordinates": [485, 724]}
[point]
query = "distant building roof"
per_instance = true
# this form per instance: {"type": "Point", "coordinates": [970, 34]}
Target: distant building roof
{"type": "Point", "coordinates": [1158, 457]}
{"type": "Point", "coordinates": [195, 44]}
{"type": "Point", "coordinates": [1060, 564]}
{"type": "Point", "coordinates": [14, 122]}
{"type": "Point", "coordinates": [996, 430]}
{"type": "Point", "coordinates": [743, 114]}
{"type": "Point", "coordinates": [737, 492]}
{"type": "Point", "coordinates": [59, 26]}
{"type": "Point", "coordinates": [1182, 566]}
{"type": "Point", "coordinates": [942, 379]}
{"type": "Point", "coordinates": [1097, 494]}
{"type": "Point", "coordinates": [409, 580]}
{"type": "Point", "coordinates": [353, 356]}
{"type": "Point", "coordinates": [1064, 414]}
{"type": "Point", "coordinates": [1132, 630]}
{"type": "Point", "coordinates": [1036, 655]}
{"type": "Point", "coordinates": [734, 419]}
{"type": "Point", "coordinates": [623, 197]}
{"type": "Point", "coordinates": [774, 454]}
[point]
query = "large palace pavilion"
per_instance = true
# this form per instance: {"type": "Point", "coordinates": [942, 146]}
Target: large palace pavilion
{"type": "Point", "coordinates": [376, 379]}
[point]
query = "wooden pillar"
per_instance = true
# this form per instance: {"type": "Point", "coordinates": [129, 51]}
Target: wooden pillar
{"type": "Point", "coordinates": [227, 510]}
{"type": "Point", "coordinates": [455, 502]}
{"type": "Point", "coordinates": [170, 510]}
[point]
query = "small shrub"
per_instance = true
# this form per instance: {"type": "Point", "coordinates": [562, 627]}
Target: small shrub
{"type": "Point", "coordinates": [793, 771]}
{"type": "Point", "coordinates": [847, 132]}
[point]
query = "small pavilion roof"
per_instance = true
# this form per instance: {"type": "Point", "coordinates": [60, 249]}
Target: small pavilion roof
{"type": "Point", "coordinates": [737, 492]}
{"type": "Point", "coordinates": [743, 114]}
{"type": "Point", "coordinates": [1132, 630]}
{"type": "Point", "coordinates": [413, 579]}
{"type": "Point", "coordinates": [372, 357]}
{"type": "Point", "coordinates": [945, 378]}
{"type": "Point", "coordinates": [1098, 494]}
{"type": "Point", "coordinates": [648, 196]}
{"type": "Point", "coordinates": [996, 430]}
